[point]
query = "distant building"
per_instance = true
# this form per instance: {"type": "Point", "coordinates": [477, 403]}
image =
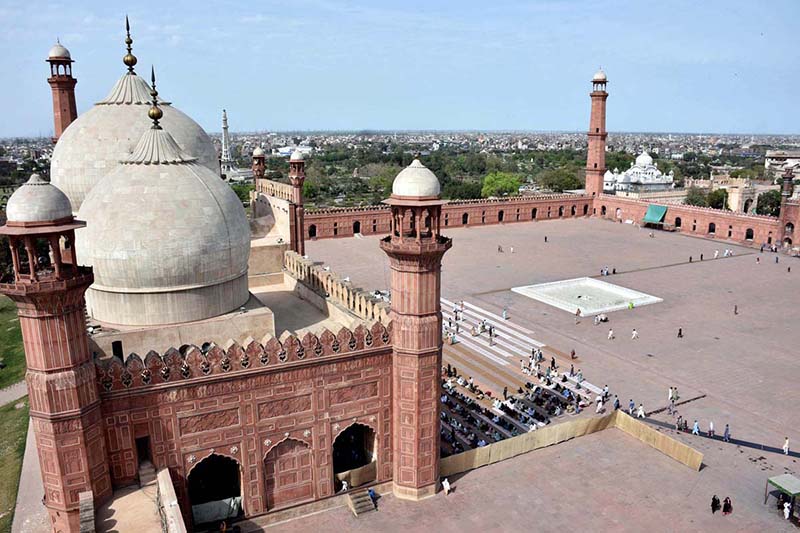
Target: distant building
{"type": "Point", "coordinates": [776, 161]}
{"type": "Point", "coordinates": [643, 176]}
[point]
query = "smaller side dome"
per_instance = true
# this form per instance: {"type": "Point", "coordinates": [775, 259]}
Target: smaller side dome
{"type": "Point", "coordinates": [416, 181]}
{"type": "Point", "coordinates": [599, 77]}
{"type": "Point", "coordinates": [297, 156]}
{"type": "Point", "coordinates": [258, 152]}
{"type": "Point", "coordinates": [58, 51]}
{"type": "Point", "coordinates": [38, 201]}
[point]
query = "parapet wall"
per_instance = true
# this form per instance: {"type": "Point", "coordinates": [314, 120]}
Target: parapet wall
{"type": "Point", "coordinates": [330, 286]}
{"type": "Point", "coordinates": [345, 222]}
{"type": "Point", "coordinates": [274, 188]}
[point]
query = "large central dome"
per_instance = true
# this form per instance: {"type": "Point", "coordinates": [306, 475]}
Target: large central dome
{"type": "Point", "coordinates": [95, 143]}
{"type": "Point", "coordinates": [168, 239]}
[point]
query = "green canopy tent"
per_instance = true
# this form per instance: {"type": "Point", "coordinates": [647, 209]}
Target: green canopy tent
{"type": "Point", "coordinates": [785, 483]}
{"type": "Point", "coordinates": [655, 214]}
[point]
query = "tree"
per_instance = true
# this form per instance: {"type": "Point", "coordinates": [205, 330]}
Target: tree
{"type": "Point", "coordinates": [718, 199]}
{"type": "Point", "coordinates": [462, 190]}
{"type": "Point", "coordinates": [242, 191]}
{"type": "Point", "coordinates": [559, 180]}
{"type": "Point", "coordinates": [500, 184]}
{"type": "Point", "coordinates": [769, 203]}
{"type": "Point", "coordinates": [695, 196]}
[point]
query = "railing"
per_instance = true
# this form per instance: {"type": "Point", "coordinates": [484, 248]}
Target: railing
{"type": "Point", "coordinates": [168, 509]}
{"type": "Point", "coordinates": [275, 189]}
{"type": "Point", "coordinates": [326, 283]}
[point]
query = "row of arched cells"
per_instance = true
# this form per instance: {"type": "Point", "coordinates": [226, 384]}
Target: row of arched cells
{"type": "Point", "coordinates": [215, 483]}
{"type": "Point", "coordinates": [749, 233]}
{"type": "Point", "coordinates": [465, 219]}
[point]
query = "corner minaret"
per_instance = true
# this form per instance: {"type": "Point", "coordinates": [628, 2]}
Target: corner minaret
{"type": "Point", "coordinates": [596, 153]}
{"type": "Point", "coordinates": [787, 189]}
{"type": "Point", "coordinates": [415, 248]}
{"type": "Point", "coordinates": [63, 86]}
{"type": "Point", "coordinates": [259, 163]}
{"type": "Point", "coordinates": [48, 288]}
{"type": "Point", "coordinates": [225, 162]}
{"type": "Point", "coordinates": [297, 175]}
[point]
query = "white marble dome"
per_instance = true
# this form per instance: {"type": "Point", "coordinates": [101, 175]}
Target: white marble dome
{"type": "Point", "coordinates": [37, 201]}
{"type": "Point", "coordinates": [644, 160]}
{"type": "Point", "coordinates": [258, 152]}
{"type": "Point", "coordinates": [297, 156]}
{"type": "Point", "coordinates": [599, 77]}
{"type": "Point", "coordinates": [95, 143]}
{"type": "Point", "coordinates": [416, 181]}
{"type": "Point", "coordinates": [58, 51]}
{"type": "Point", "coordinates": [168, 240]}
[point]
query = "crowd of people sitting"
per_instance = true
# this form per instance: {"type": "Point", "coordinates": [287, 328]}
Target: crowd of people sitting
{"type": "Point", "coordinates": [473, 417]}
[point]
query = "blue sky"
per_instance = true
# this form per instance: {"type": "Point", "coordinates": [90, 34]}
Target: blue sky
{"type": "Point", "coordinates": [683, 66]}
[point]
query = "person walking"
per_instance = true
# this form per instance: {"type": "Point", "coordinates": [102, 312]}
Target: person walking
{"type": "Point", "coordinates": [701, 257]}
{"type": "Point", "coordinates": [716, 254]}
{"type": "Point", "coordinates": [727, 506]}
{"type": "Point", "coordinates": [735, 309]}
{"type": "Point", "coordinates": [714, 504]}
{"type": "Point", "coordinates": [634, 334]}
{"type": "Point", "coordinates": [710, 429]}
{"type": "Point", "coordinates": [616, 402]}
{"type": "Point", "coordinates": [669, 395]}
{"type": "Point", "coordinates": [640, 411]}
{"type": "Point", "coordinates": [545, 238]}
{"type": "Point", "coordinates": [578, 316]}
{"type": "Point", "coordinates": [631, 407]}
{"type": "Point", "coordinates": [726, 434]}
{"type": "Point", "coordinates": [696, 428]}
{"type": "Point", "coordinates": [680, 333]}
{"type": "Point", "coordinates": [505, 313]}
{"type": "Point", "coordinates": [776, 259]}
{"type": "Point", "coordinates": [610, 334]}
{"type": "Point", "coordinates": [786, 446]}
{"type": "Point", "coordinates": [446, 486]}
{"type": "Point", "coordinates": [787, 510]}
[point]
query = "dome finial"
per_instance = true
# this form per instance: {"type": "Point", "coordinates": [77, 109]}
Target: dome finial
{"type": "Point", "coordinates": [129, 59]}
{"type": "Point", "coordinates": [154, 112]}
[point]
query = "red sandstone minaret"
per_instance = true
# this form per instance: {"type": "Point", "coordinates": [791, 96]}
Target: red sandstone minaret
{"type": "Point", "coordinates": [787, 189]}
{"type": "Point", "coordinates": [415, 249]}
{"type": "Point", "coordinates": [48, 289]}
{"type": "Point", "coordinates": [297, 175]}
{"type": "Point", "coordinates": [259, 164]}
{"type": "Point", "coordinates": [63, 86]}
{"type": "Point", "coordinates": [596, 153]}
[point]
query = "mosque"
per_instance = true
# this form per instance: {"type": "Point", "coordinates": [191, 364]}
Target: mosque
{"type": "Point", "coordinates": [165, 335]}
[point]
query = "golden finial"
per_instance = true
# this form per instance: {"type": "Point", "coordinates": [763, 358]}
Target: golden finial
{"type": "Point", "coordinates": [129, 59]}
{"type": "Point", "coordinates": [154, 112]}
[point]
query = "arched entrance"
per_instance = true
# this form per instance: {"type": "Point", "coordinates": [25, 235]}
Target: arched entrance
{"type": "Point", "coordinates": [312, 231]}
{"type": "Point", "coordinates": [574, 210]}
{"type": "Point", "coordinates": [561, 211]}
{"type": "Point", "coordinates": [602, 210]}
{"type": "Point", "coordinates": [712, 228]}
{"type": "Point", "coordinates": [500, 215]}
{"type": "Point", "coordinates": [747, 205]}
{"type": "Point", "coordinates": [356, 227]}
{"type": "Point", "coordinates": [787, 241]}
{"type": "Point", "coordinates": [354, 457]}
{"type": "Point", "coordinates": [289, 474]}
{"type": "Point", "coordinates": [788, 229]}
{"type": "Point", "coordinates": [748, 234]}
{"type": "Point", "coordinates": [533, 213]}
{"type": "Point", "coordinates": [585, 209]}
{"type": "Point", "coordinates": [465, 219]}
{"type": "Point", "coordinates": [215, 490]}
{"type": "Point", "coordinates": [677, 222]}
{"type": "Point", "coordinates": [618, 213]}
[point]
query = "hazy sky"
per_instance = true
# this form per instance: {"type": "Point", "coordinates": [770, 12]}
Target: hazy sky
{"type": "Point", "coordinates": [684, 66]}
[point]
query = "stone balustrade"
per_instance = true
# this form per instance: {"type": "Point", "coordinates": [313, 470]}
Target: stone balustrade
{"type": "Point", "coordinates": [274, 188]}
{"type": "Point", "coordinates": [326, 283]}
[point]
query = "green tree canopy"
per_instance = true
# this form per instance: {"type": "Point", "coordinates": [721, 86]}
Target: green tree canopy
{"type": "Point", "coordinates": [500, 184]}
{"type": "Point", "coordinates": [718, 199]}
{"type": "Point", "coordinates": [559, 180]}
{"type": "Point", "coordinates": [769, 203]}
{"type": "Point", "coordinates": [696, 196]}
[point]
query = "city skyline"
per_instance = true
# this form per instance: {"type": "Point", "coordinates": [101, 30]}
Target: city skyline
{"type": "Point", "coordinates": [347, 66]}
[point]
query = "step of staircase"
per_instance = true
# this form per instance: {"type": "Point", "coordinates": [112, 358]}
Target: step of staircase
{"type": "Point", "coordinates": [147, 474]}
{"type": "Point", "coordinates": [360, 502]}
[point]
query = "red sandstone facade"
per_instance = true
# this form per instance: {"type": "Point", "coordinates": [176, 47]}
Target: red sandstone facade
{"type": "Point", "coordinates": [596, 152]}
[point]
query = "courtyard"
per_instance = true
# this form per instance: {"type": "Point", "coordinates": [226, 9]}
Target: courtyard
{"type": "Point", "coordinates": [738, 369]}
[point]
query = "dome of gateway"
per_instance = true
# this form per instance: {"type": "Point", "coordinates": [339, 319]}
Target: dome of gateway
{"type": "Point", "coordinates": [95, 143]}
{"type": "Point", "coordinates": [58, 51]}
{"type": "Point", "coordinates": [644, 160]}
{"type": "Point", "coordinates": [168, 240]}
{"type": "Point", "coordinates": [416, 181]}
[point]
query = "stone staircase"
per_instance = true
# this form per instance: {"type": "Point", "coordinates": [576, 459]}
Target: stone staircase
{"type": "Point", "coordinates": [147, 474]}
{"type": "Point", "coordinates": [360, 502]}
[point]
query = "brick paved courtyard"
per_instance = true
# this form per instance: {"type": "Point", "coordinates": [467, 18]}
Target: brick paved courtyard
{"type": "Point", "coordinates": [746, 365]}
